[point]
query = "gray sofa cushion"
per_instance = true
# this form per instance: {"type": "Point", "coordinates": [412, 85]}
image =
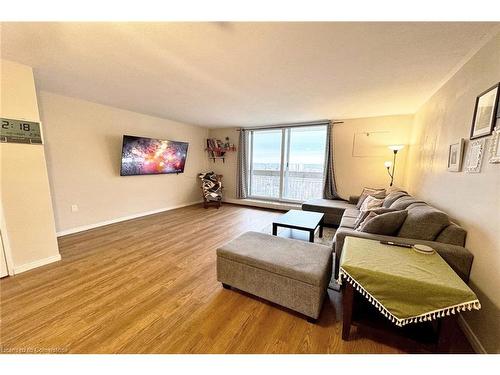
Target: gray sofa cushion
{"type": "Point", "coordinates": [391, 198]}
{"type": "Point", "coordinates": [351, 212]}
{"type": "Point", "coordinates": [423, 222]}
{"type": "Point", "coordinates": [404, 202]}
{"type": "Point", "coordinates": [452, 234]}
{"type": "Point", "coordinates": [332, 208]}
{"type": "Point", "coordinates": [298, 260]}
{"type": "Point", "coordinates": [353, 199]}
{"type": "Point", "coordinates": [363, 214]}
{"type": "Point", "coordinates": [416, 204]}
{"type": "Point", "coordinates": [364, 218]}
{"type": "Point", "coordinates": [347, 222]}
{"type": "Point", "coordinates": [385, 223]}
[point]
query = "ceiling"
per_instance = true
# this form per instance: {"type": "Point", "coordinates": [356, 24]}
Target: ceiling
{"type": "Point", "coordinates": [218, 74]}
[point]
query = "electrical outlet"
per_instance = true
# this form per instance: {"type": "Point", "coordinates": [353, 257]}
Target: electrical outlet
{"type": "Point", "coordinates": [74, 208]}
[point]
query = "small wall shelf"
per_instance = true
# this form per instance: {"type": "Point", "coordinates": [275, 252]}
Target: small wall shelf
{"type": "Point", "coordinates": [217, 149]}
{"type": "Point", "coordinates": [214, 158]}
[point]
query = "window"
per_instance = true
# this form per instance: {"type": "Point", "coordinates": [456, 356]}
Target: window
{"type": "Point", "coordinates": [287, 163]}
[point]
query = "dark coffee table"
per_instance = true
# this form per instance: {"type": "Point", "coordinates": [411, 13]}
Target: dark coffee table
{"type": "Point", "coordinates": [299, 222]}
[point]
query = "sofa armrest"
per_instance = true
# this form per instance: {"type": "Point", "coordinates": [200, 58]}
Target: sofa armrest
{"type": "Point", "coordinates": [458, 257]}
{"type": "Point", "coordinates": [353, 199]}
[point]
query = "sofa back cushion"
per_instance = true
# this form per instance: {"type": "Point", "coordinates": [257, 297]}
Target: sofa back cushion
{"type": "Point", "coordinates": [404, 202]}
{"type": "Point", "coordinates": [391, 198]}
{"type": "Point", "coordinates": [453, 235]}
{"type": "Point", "coordinates": [424, 223]}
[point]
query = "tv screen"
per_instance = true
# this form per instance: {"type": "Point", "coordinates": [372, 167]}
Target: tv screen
{"type": "Point", "coordinates": [152, 156]}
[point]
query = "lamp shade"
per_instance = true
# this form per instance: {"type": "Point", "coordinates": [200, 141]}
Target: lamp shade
{"type": "Point", "coordinates": [388, 164]}
{"type": "Point", "coordinates": [396, 147]}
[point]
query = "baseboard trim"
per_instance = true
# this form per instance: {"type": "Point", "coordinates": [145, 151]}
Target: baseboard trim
{"type": "Point", "coordinates": [471, 336]}
{"type": "Point", "coordinates": [264, 204]}
{"type": "Point", "coordinates": [122, 218]}
{"type": "Point", "coordinates": [37, 263]}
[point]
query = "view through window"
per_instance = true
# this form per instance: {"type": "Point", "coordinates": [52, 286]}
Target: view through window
{"type": "Point", "coordinates": [287, 163]}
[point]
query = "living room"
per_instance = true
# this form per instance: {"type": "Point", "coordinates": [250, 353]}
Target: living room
{"type": "Point", "coordinates": [166, 192]}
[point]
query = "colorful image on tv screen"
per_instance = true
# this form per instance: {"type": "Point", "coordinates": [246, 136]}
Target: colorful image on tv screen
{"type": "Point", "coordinates": [152, 156]}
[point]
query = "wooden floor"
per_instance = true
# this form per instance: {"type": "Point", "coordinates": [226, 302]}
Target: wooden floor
{"type": "Point", "coordinates": [149, 286]}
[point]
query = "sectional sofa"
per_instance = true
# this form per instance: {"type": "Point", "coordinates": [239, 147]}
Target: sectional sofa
{"type": "Point", "coordinates": [424, 224]}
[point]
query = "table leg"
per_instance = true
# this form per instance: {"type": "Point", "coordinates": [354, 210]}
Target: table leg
{"type": "Point", "coordinates": [321, 229]}
{"type": "Point", "coordinates": [445, 335]}
{"type": "Point", "coordinates": [275, 230]}
{"type": "Point", "coordinates": [311, 236]}
{"type": "Point", "coordinates": [347, 303]}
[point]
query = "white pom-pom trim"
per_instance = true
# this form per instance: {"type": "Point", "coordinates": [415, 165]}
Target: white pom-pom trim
{"type": "Point", "coordinates": [431, 315]}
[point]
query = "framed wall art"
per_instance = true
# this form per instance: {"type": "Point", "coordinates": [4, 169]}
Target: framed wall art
{"type": "Point", "coordinates": [485, 113]}
{"type": "Point", "coordinates": [495, 145]}
{"type": "Point", "coordinates": [455, 153]}
{"type": "Point", "coordinates": [475, 154]}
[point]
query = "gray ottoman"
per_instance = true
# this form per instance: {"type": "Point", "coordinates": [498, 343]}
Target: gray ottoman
{"type": "Point", "coordinates": [291, 273]}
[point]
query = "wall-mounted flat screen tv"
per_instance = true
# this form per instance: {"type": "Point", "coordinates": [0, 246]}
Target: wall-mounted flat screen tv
{"type": "Point", "coordinates": [152, 156]}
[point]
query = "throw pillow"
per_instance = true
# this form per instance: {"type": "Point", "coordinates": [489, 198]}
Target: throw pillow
{"type": "Point", "coordinates": [377, 193]}
{"type": "Point", "coordinates": [367, 217]}
{"type": "Point", "coordinates": [370, 203]}
{"type": "Point", "coordinates": [384, 224]}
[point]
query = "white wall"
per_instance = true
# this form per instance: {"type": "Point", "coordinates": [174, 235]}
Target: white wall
{"type": "Point", "coordinates": [228, 167]}
{"type": "Point", "coordinates": [352, 172]}
{"type": "Point", "coordinates": [471, 199]}
{"type": "Point", "coordinates": [28, 229]}
{"type": "Point", "coordinates": [83, 145]}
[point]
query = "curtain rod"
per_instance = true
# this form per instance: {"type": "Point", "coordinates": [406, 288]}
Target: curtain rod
{"type": "Point", "coordinates": [294, 125]}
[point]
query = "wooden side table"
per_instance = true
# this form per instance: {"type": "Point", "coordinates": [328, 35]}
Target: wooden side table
{"type": "Point", "coordinates": [439, 339]}
{"type": "Point", "coordinates": [401, 293]}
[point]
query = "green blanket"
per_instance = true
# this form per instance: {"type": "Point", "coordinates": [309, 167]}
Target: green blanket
{"type": "Point", "coordinates": [405, 285]}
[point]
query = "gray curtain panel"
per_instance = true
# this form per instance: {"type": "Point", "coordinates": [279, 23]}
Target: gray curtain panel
{"type": "Point", "coordinates": [242, 167]}
{"type": "Point", "coordinates": [329, 189]}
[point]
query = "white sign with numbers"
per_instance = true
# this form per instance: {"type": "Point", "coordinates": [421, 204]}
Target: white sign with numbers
{"type": "Point", "coordinates": [20, 131]}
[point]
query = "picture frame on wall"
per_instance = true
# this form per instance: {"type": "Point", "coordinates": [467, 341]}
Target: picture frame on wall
{"type": "Point", "coordinates": [475, 154]}
{"type": "Point", "coordinates": [485, 112]}
{"type": "Point", "coordinates": [455, 154]}
{"type": "Point", "coordinates": [495, 145]}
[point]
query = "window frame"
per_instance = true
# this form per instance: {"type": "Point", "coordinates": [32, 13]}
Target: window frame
{"type": "Point", "coordinates": [284, 158]}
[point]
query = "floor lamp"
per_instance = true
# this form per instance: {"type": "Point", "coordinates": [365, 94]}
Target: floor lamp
{"type": "Point", "coordinates": [389, 164]}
